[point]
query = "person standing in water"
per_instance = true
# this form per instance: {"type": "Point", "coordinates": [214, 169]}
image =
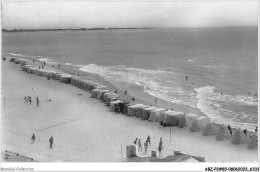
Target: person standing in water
{"type": "Point", "coordinates": [155, 101]}
{"type": "Point", "coordinates": [186, 77]}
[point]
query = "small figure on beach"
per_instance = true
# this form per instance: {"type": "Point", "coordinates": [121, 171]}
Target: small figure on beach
{"type": "Point", "coordinates": [37, 101]}
{"type": "Point", "coordinates": [155, 101]}
{"type": "Point", "coordinates": [51, 141]}
{"type": "Point", "coordinates": [135, 142]}
{"type": "Point", "coordinates": [249, 93]}
{"type": "Point", "coordinates": [172, 108]}
{"type": "Point", "coordinates": [29, 99]}
{"type": "Point", "coordinates": [33, 138]}
{"type": "Point", "coordinates": [230, 129]}
{"type": "Point", "coordinates": [25, 100]}
{"type": "Point", "coordinates": [160, 148]}
{"type": "Point", "coordinates": [33, 60]}
{"type": "Point", "coordinates": [256, 129]}
{"type": "Point", "coordinates": [78, 74]}
{"type": "Point", "coordinates": [58, 65]}
{"type": "Point", "coordinates": [245, 131]}
{"type": "Point", "coordinates": [255, 94]}
{"type": "Point", "coordinates": [139, 145]}
{"type": "Point", "coordinates": [145, 146]}
{"type": "Point", "coordinates": [44, 63]}
{"type": "Point", "coordinates": [148, 139]}
{"type": "Point", "coordinates": [161, 142]}
{"type": "Point", "coordinates": [133, 99]}
{"type": "Point", "coordinates": [116, 91]}
{"type": "Point", "coordinates": [125, 92]}
{"type": "Point", "coordinates": [221, 93]}
{"type": "Point", "coordinates": [39, 67]}
{"type": "Point", "coordinates": [186, 77]}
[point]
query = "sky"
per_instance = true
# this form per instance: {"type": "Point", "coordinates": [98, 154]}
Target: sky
{"type": "Point", "coordinates": [63, 15]}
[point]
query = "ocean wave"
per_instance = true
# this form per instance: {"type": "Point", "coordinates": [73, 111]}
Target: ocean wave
{"type": "Point", "coordinates": [211, 103]}
{"type": "Point", "coordinates": [192, 60]}
{"type": "Point", "coordinates": [43, 59]}
{"type": "Point", "coordinates": [210, 66]}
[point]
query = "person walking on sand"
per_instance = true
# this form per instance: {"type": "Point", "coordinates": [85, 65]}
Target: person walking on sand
{"type": "Point", "coordinates": [29, 99]}
{"type": "Point", "coordinates": [125, 92]}
{"type": "Point", "coordinates": [155, 101]}
{"type": "Point", "coordinates": [149, 140]}
{"type": "Point", "coordinates": [37, 101]}
{"type": "Point", "coordinates": [135, 142]}
{"type": "Point", "coordinates": [33, 138]}
{"type": "Point", "coordinates": [186, 77]}
{"type": "Point", "coordinates": [25, 100]}
{"type": "Point", "coordinates": [160, 148]}
{"type": "Point", "coordinates": [51, 141]}
{"type": "Point", "coordinates": [145, 146]}
{"type": "Point", "coordinates": [139, 145]}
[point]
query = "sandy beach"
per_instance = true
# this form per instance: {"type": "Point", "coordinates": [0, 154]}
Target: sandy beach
{"type": "Point", "coordinates": [83, 128]}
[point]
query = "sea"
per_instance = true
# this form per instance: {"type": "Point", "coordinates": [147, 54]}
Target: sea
{"type": "Point", "coordinates": [220, 64]}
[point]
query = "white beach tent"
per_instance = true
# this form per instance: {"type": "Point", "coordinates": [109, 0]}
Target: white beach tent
{"type": "Point", "coordinates": [113, 103]}
{"type": "Point", "coordinates": [196, 126]}
{"type": "Point", "coordinates": [238, 137]}
{"type": "Point", "coordinates": [210, 129]}
{"type": "Point", "coordinates": [203, 121]}
{"type": "Point", "coordinates": [253, 143]}
{"type": "Point", "coordinates": [163, 116]}
{"type": "Point", "coordinates": [223, 133]}
{"type": "Point", "coordinates": [131, 109]}
{"type": "Point", "coordinates": [173, 117]}
{"type": "Point", "coordinates": [147, 111]}
{"type": "Point", "coordinates": [190, 118]}
{"type": "Point", "coordinates": [155, 113]}
{"type": "Point", "coordinates": [182, 121]}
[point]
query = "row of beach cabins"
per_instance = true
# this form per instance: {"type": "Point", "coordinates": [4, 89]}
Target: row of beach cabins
{"type": "Point", "coordinates": [147, 112]}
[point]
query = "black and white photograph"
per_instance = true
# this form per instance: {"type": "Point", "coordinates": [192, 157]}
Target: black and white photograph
{"type": "Point", "coordinates": [173, 82]}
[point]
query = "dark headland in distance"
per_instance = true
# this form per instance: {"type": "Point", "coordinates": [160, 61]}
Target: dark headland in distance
{"type": "Point", "coordinates": [80, 29]}
{"type": "Point", "coordinates": [128, 28]}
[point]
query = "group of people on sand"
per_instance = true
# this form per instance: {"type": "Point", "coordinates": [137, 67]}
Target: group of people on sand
{"type": "Point", "coordinates": [148, 143]}
{"type": "Point", "coordinates": [28, 99]}
{"type": "Point", "coordinates": [51, 140]}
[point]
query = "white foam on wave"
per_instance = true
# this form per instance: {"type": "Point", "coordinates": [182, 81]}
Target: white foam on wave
{"type": "Point", "coordinates": [150, 80]}
{"type": "Point", "coordinates": [210, 66]}
{"type": "Point", "coordinates": [43, 59]}
{"type": "Point", "coordinates": [23, 55]}
{"type": "Point", "coordinates": [192, 60]}
{"type": "Point", "coordinates": [209, 102]}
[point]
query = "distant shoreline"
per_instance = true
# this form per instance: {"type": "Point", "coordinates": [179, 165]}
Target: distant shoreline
{"type": "Point", "coordinates": [81, 29]}
{"type": "Point", "coordinates": [130, 28]}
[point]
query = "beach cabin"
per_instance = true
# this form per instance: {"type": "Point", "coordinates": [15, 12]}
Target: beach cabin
{"type": "Point", "coordinates": [190, 118]}
{"type": "Point", "coordinates": [146, 112]}
{"type": "Point", "coordinates": [139, 111]}
{"type": "Point", "coordinates": [182, 121]}
{"type": "Point", "coordinates": [155, 113]}
{"type": "Point", "coordinates": [173, 118]}
{"type": "Point", "coordinates": [163, 116]}
{"type": "Point", "coordinates": [114, 104]}
{"type": "Point", "coordinates": [132, 108]}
